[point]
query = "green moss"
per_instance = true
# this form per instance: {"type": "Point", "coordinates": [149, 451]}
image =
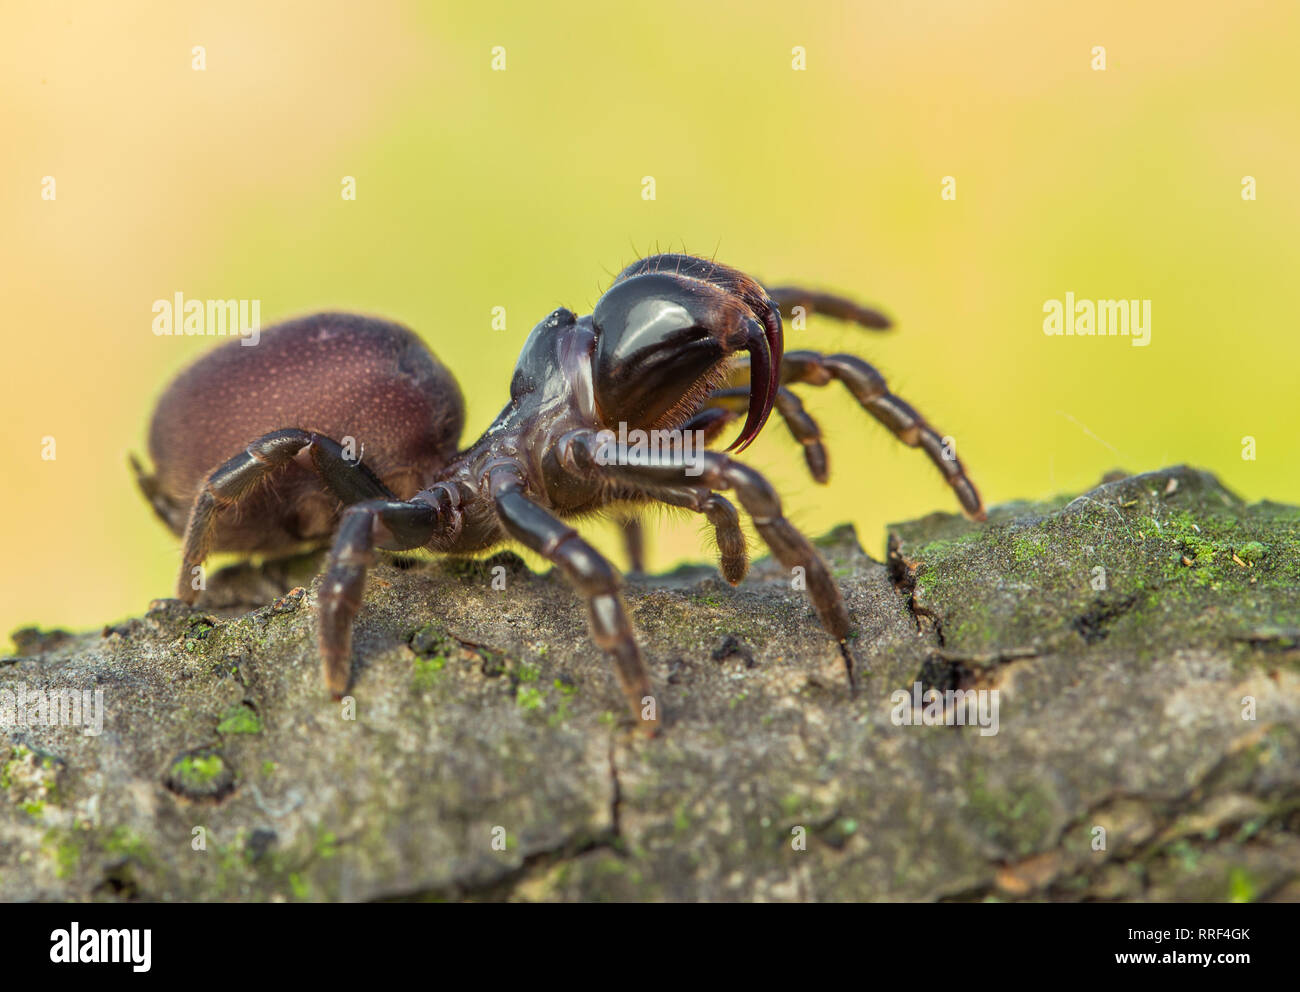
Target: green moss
{"type": "Point", "coordinates": [426, 671]}
{"type": "Point", "coordinates": [199, 631]}
{"type": "Point", "coordinates": [1241, 886]}
{"type": "Point", "coordinates": [1252, 552]}
{"type": "Point", "coordinates": [1249, 829]}
{"type": "Point", "coordinates": [942, 548]}
{"type": "Point", "coordinates": [566, 693]}
{"type": "Point", "coordinates": [63, 847]}
{"type": "Point", "coordinates": [1028, 548]}
{"type": "Point", "coordinates": [239, 719]}
{"type": "Point", "coordinates": [1216, 543]}
{"type": "Point", "coordinates": [195, 772]}
{"type": "Point", "coordinates": [929, 584]}
{"type": "Point", "coordinates": [326, 845]}
{"type": "Point", "coordinates": [610, 865]}
{"type": "Point", "coordinates": [529, 698]}
{"type": "Point", "coordinates": [231, 858]}
{"type": "Point", "coordinates": [1187, 856]}
{"type": "Point", "coordinates": [67, 848]}
{"type": "Point", "coordinates": [17, 755]}
{"type": "Point", "coordinates": [975, 625]}
{"type": "Point", "coordinates": [1009, 583]}
{"type": "Point", "coordinates": [123, 843]}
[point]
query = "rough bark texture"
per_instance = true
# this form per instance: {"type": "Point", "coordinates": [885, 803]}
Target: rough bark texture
{"type": "Point", "coordinates": [484, 714]}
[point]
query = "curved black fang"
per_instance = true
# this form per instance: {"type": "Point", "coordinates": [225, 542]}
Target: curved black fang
{"type": "Point", "coordinates": [762, 381]}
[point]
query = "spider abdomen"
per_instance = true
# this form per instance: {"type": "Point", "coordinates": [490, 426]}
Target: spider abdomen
{"type": "Point", "coordinates": [369, 384]}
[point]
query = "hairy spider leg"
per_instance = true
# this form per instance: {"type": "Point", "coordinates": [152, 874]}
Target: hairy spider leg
{"type": "Point", "coordinates": [226, 485]}
{"type": "Point", "coordinates": [577, 451]}
{"type": "Point", "coordinates": [590, 573]}
{"type": "Point", "coordinates": [871, 391]}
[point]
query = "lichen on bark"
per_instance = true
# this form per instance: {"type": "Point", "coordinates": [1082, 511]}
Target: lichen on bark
{"type": "Point", "coordinates": [1143, 639]}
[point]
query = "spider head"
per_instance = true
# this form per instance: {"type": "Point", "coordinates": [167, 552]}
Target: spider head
{"type": "Point", "coordinates": [665, 334]}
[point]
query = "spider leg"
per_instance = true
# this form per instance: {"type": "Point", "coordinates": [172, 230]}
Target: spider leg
{"type": "Point", "coordinates": [164, 507]}
{"type": "Point", "coordinates": [872, 393]}
{"type": "Point", "coordinates": [711, 419]}
{"type": "Point", "coordinates": [591, 575]}
{"type": "Point", "coordinates": [633, 542]}
{"type": "Point", "coordinates": [828, 304]}
{"type": "Point", "coordinates": [387, 523]}
{"type": "Point", "coordinates": [578, 451]}
{"type": "Point", "coordinates": [733, 555]}
{"type": "Point", "coordinates": [230, 482]}
{"type": "Point", "coordinates": [801, 424]}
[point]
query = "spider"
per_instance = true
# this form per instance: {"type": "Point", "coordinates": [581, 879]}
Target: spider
{"type": "Point", "coordinates": [677, 343]}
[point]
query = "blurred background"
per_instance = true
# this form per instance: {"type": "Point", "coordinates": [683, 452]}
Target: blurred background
{"type": "Point", "coordinates": [523, 189]}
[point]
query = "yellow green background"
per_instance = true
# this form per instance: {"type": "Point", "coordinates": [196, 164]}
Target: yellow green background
{"type": "Point", "coordinates": [522, 189]}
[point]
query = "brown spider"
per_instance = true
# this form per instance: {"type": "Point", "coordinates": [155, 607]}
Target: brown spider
{"type": "Point", "coordinates": [661, 352]}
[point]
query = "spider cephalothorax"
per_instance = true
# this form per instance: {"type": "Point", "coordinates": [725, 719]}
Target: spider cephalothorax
{"type": "Point", "coordinates": [345, 426]}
